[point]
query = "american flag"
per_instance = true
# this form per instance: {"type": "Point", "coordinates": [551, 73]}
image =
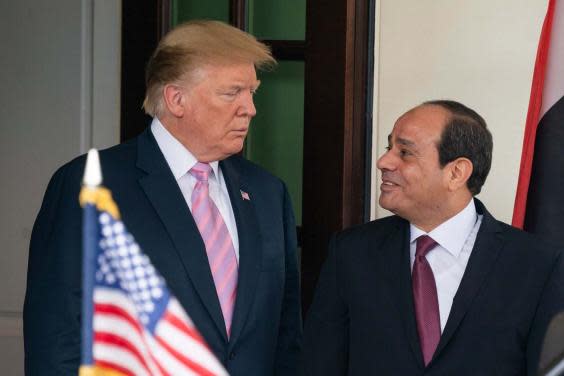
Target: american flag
{"type": "Point", "coordinates": [138, 326]}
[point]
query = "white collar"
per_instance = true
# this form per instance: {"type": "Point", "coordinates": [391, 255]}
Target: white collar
{"type": "Point", "coordinates": [451, 234]}
{"type": "Point", "coordinates": [179, 159]}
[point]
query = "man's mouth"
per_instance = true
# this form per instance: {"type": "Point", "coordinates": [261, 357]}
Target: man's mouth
{"type": "Point", "coordinates": [388, 185]}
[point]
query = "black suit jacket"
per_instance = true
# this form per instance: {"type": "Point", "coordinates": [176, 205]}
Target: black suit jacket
{"type": "Point", "coordinates": [266, 328]}
{"type": "Point", "coordinates": [362, 319]}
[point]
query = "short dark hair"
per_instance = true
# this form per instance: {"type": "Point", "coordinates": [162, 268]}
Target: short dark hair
{"type": "Point", "coordinates": [465, 135]}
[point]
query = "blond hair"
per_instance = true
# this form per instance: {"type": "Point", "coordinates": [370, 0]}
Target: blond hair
{"type": "Point", "coordinates": [192, 45]}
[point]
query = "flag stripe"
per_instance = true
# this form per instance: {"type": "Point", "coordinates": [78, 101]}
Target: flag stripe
{"type": "Point", "coordinates": [174, 367]}
{"type": "Point", "coordinates": [200, 370]}
{"type": "Point", "coordinates": [544, 213]}
{"type": "Point", "coordinates": [178, 323]}
{"type": "Point", "coordinates": [180, 340]}
{"type": "Point", "coordinates": [115, 357]}
{"type": "Point", "coordinates": [104, 338]}
{"type": "Point", "coordinates": [122, 327]}
{"type": "Point", "coordinates": [110, 309]}
{"type": "Point", "coordinates": [106, 296]}
{"type": "Point", "coordinates": [535, 104]}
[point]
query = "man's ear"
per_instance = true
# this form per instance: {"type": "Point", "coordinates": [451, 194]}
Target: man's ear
{"type": "Point", "coordinates": [174, 99]}
{"type": "Point", "coordinates": [460, 171]}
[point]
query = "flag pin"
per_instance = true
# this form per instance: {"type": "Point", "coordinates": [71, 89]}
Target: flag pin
{"type": "Point", "coordinates": [245, 195]}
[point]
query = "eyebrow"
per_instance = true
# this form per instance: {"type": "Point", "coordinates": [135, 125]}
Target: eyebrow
{"type": "Point", "coordinates": [401, 141]}
{"type": "Point", "coordinates": [240, 85]}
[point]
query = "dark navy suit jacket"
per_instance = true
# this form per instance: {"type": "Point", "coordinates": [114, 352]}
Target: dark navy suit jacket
{"type": "Point", "coordinates": [266, 328]}
{"type": "Point", "coordinates": [362, 319]}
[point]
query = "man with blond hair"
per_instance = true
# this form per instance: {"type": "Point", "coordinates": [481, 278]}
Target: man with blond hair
{"type": "Point", "coordinates": [235, 275]}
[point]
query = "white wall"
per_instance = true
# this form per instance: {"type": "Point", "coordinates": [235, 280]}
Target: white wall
{"type": "Point", "coordinates": [480, 53]}
{"type": "Point", "coordinates": [60, 78]}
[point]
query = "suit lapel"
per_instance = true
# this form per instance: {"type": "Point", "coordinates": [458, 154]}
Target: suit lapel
{"type": "Point", "coordinates": [397, 259]}
{"type": "Point", "coordinates": [250, 241]}
{"type": "Point", "coordinates": [484, 254]}
{"type": "Point", "coordinates": [164, 194]}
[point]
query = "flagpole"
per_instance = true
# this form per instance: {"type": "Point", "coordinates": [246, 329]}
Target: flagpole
{"type": "Point", "coordinates": [90, 235]}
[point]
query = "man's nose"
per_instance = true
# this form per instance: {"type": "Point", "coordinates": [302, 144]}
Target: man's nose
{"type": "Point", "coordinates": [247, 105]}
{"type": "Point", "coordinates": [386, 161]}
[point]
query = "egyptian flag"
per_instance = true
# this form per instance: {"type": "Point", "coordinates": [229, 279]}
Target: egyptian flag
{"type": "Point", "coordinates": [539, 202]}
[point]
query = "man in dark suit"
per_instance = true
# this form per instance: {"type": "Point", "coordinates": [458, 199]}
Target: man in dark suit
{"type": "Point", "coordinates": [441, 287]}
{"type": "Point", "coordinates": [200, 85]}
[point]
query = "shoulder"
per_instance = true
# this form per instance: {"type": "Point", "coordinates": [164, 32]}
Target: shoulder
{"type": "Point", "coordinates": [120, 156]}
{"type": "Point", "coordinates": [379, 228]}
{"type": "Point", "coordinates": [113, 154]}
{"type": "Point", "coordinates": [253, 174]}
{"type": "Point", "coordinates": [370, 238]}
{"type": "Point", "coordinates": [529, 244]}
{"type": "Point", "coordinates": [523, 247]}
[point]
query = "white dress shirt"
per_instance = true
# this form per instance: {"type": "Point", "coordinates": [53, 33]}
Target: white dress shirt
{"type": "Point", "coordinates": [180, 161]}
{"type": "Point", "coordinates": [455, 239]}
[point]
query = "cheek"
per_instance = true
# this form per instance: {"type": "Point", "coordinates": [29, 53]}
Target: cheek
{"type": "Point", "coordinates": [412, 177]}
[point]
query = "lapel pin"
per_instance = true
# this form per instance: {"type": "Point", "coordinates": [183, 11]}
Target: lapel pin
{"type": "Point", "coordinates": [245, 195]}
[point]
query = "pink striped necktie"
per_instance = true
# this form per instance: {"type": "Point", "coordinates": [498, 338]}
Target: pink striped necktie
{"type": "Point", "coordinates": [425, 299]}
{"type": "Point", "coordinates": [219, 246]}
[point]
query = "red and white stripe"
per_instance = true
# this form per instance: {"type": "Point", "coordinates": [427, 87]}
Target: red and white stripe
{"type": "Point", "coordinates": [122, 343]}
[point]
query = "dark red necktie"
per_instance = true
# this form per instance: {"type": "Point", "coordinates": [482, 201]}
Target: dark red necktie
{"type": "Point", "coordinates": [425, 299]}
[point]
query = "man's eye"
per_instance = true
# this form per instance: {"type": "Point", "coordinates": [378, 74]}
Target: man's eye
{"type": "Point", "coordinates": [404, 153]}
{"type": "Point", "coordinates": [231, 92]}
{"type": "Point", "coordinates": [388, 148]}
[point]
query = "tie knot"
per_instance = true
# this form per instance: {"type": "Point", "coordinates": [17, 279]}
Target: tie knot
{"type": "Point", "coordinates": [424, 245]}
{"type": "Point", "coordinates": [201, 171]}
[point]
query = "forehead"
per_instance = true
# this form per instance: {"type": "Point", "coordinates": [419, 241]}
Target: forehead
{"type": "Point", "coordinates": [421, 123]}
{"type": "Point", "coordinates": [242, 72]}
{"type": "Point", "coordinates": [210, 77]}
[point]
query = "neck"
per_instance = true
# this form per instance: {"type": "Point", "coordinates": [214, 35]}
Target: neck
{"type": "Point", "coordinates": [175, 128]}
{"type": "Point", "coordinates": [449, 209]}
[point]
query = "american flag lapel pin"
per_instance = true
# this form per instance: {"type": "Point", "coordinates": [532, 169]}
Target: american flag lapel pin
{"type": "Point", "coordinates": [245, 195]}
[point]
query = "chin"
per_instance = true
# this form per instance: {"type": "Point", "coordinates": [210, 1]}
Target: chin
{"type": "Point", "coordinates": [384, 200]}
{"type": "Point", "coordinates": [234, 149]}
{"type": "Point", "coordinates": [388, 204]}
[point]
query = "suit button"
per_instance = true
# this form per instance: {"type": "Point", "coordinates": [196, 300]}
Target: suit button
{"type": "Point", "coordinates": [232, 355]}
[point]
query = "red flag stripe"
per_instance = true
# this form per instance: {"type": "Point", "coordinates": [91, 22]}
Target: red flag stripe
{"type": "Point", "coordinates": [111, 354]}
{"type": "Point", "coordinates": [535, 104]}
{"type": "Point", "coordinates": [181, 326]}
{"type": "Point", "coordinates": [111, 339]}
{"type": "Point", "coordinates": [199, 369]}
{"type": "Point", "coordinates": [112, 310]}
{"type": "Point", "coordinates": [109, 309]}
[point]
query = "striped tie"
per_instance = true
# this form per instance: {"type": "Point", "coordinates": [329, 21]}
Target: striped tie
{"type": "Point", "coordinates": [219, 247]}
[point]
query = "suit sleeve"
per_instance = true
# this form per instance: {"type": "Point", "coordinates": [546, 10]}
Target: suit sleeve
{"type": "Point", "coordinates": [327, 324]}
{"type": "Point", "coordinates": [551, 303]}
{"type": "Point", "coordinates": [290, 331]}
{"type": "Point", "coordinates": [52, 302]}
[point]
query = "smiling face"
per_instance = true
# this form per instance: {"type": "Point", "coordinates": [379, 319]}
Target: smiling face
{"type": "Point", "coordinates": [414, 186]}
{"type": "Point", "coordinates": [216, 111]}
